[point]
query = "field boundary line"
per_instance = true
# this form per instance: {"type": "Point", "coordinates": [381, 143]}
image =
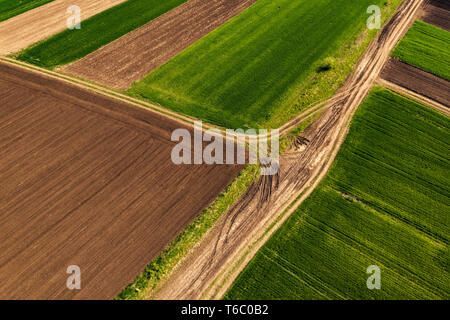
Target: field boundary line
{"type": "Point", "coordinates": [414, 96]}
{"type": "Point", "coordinates": [150, 107]}
{"type": "Point", "coordinates": [104, 91]}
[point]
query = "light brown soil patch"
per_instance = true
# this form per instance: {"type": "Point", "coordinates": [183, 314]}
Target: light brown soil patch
{"type": "Point", "coordinates": [417, 80]}
{"type": "Point", "coordinates": [40, 23]}
{"type": "Point", "coordinates": [137, 53]}
{"type": "Point", "coordinates": [87, 181]}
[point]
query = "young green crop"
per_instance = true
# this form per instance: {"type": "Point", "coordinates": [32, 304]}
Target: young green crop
{"type": "Point", "coordinates": [11, 8]}
{"type": "Point", "coordinates": [385, 202]}
{"type": "Point", "coordinates": [427, 47]}
{"type": "Point", "coordinates": [264, 66]}
{"type": "Point", "coordinates": [97, 31]}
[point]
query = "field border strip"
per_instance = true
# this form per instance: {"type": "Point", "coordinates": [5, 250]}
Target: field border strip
{"type": "Point", "coordinates": [150, 107]}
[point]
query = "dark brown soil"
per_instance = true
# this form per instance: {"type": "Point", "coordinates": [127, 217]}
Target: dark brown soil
{"type": "Point", "coordinates": [87, 181]}
{"type": "Point", "coordinates": [437, 12]}
{"type": "Point", "coordinates": [136, 54]}
{"type": "Point", "coordinates": [417, 80]}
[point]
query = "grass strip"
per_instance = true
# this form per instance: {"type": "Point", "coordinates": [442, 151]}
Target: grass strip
{"type": "Point", "coordinates": [157, 270]}
{"type": "Point", "coordinates": [427, 47]}
{"type": "Point", "coordinates": [97, 31]}
{"type": "Point", "coordinates": [11, 8]}
{"type": "Point", "coordinates": [267, 64]}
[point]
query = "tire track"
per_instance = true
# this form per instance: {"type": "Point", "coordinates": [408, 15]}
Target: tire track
{"type": "Point", "coordinates": [209, 269]}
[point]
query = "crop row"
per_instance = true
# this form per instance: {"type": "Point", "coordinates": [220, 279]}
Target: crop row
{"type": "Point", "coordinates": [384, 202]}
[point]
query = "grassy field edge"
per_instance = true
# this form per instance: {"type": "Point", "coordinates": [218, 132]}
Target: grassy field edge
{"type": "Point", "coordinates": [326, 75]}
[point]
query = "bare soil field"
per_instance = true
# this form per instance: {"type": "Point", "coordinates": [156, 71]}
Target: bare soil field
{"type": "Point", "coordinates": [40, 23]}
{"type": "Point", "coordinates": [417, 80]}
{"type": "Point", "coordinates": [136, 54]}
{"type": "Point", "coordinates": [213, 265]}
{"type": "Point", "coordinates": [436, 12]}
{"type": "Point", "coordinates": [87, 181]}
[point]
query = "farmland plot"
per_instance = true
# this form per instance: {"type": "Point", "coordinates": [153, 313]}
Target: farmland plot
{"type": "Point", "coordinates": [437, 12]}
{"type": "Point", "coordinates": [134, 55]}
{"type": "Point", "coordinates": [385, 202]}
{"type": "Point", "coordinates": [42, 22]}
{"type": "Point", "coordinates": [265, 65]}
{"type": "Point", "coordinates": [71, 45]}
{"type": "Point", "coordinates": [417, 80]}
{"type": "Point", "coordinates": [427, 47]}
{"type": "Point", "coordinates": [87, 181]}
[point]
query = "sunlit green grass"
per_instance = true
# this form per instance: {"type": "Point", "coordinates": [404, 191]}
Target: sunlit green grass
{"type": "Point", "coordinates": [11, 8]}
{"type": "Point", "coordinates": [427, 47]}
{"type": "Point", "coordinates": [384, 202]}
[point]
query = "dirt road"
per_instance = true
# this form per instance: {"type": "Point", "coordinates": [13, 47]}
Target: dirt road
{"type": "Point", "coordinates": [209, 269]}
{"type": "Point", "coordinates": [139, 52]}
{"type": "Point", "coordinates": [42, 22]}
{"type": "Point", "coordinates": [87, 180]}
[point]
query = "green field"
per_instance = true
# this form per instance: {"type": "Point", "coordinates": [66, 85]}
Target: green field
{"type": "Point", "coordinates": [95, 32]}
{"type": "Point", "coordinates": [427, 47]}
{"type": "Point", "coordinates": [384, 202]}
{"type": "Point", "coordinates": [11, 8]}
{"type": "Point", "coordinates": [265, 65]}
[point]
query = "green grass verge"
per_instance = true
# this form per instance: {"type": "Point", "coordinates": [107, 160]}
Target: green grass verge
{"type": "Point", "coordinates": [427, 47]}
{"type": "Point", "coordinates": [95, 32]}
{"type": "Point", "coordinates": [384, 202]}
{"type": "Point", "coordinates": [265, 65]}
{"type": "Point", "coordinates": [159, 268]}
{"type": "Point", "coordinates": [11, 8]}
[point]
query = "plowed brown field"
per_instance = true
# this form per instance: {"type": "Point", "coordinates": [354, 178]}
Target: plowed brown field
{"type": "Point", "coordinates": [417, 80]}
{"type": "Point", "coordinates": [137, 53]}
{"type": "Point", "coordinates": [437, 12]}
{"type": "Point", "coordinates": [87, 181]}
{"type": "Point", "coordinates": [38, 24]}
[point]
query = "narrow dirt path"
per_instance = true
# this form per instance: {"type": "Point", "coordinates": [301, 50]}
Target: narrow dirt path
{"type": "Point", "coordinates": [209, 270]}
